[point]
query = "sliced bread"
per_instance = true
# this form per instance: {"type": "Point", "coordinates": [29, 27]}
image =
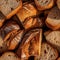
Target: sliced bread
{"type": "Point", "coordinates": [31, 44]}
{"type": "Point", "coordinates": [53, 19]}
{"type": "Point", "coordinates": [27, 10]}
{"type": "Point", "coordinates": [10, 7]}
{"type": "Point", "coordinates": [9, 56]}
{"type": "Point", "coordinates": [53, 38]}
{"type": "Point", "coordinates": [44, 4]}
{"type": "Point", "coordinates": [48, 52]}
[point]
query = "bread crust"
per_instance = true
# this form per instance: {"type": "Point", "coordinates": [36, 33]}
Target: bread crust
{"type": "Point", "coordinates": [13, 12]}
{"type": "Point", "coordinates": [39, 7]}
{"type": "Point", "coordinates": [26, 49]}
{"type": "Point", "coordinates": [51, 26]}
{"type": "Point", "coordinates": [27, 10]}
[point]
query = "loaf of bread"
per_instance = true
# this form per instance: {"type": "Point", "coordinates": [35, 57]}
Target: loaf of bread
{"type": "Point", "coordinates": [32, 22]}
{"type": "Point", "coordinates": [53, 19]}
{"type": "Point", "coordinates": [48, 52]}
{"type": "Point", "coordinates": [53, 37]}
{"type": "Point", "coordinates": [9, 56]}
{"type": "Point", "coordinates": [15, 40]}
{"type": "Point", "coordinates": [27, 10]}
{"type": "Point", "coordinates": [6, 32]}
{"type": "Point", "coordinates": [31, 44]}
{"type": "Point", "coordinates": [44, 4]}
{"type": "Point", "coordinates": [10, 7]}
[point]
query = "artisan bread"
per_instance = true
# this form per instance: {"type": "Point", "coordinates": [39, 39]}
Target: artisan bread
{"type": "Point", "coordinates": [44, 4]}
{"type": "Point", "coordinates": [15, 40]}
{"type": "Point", "coordinates": [53, 37]}
{"type": "Point", "coordinates": [10, 7]}
{"type": "Point", "coordinates": [6, 32]}
{"type": "Point", "coordinates": [27, 10]}
{"type": "Point", "coordinates": [53, 19]}
{"type": "Point", "coordinates": [48, 52]}
{"type": "Point", "coordinates": [31, 44]}
{"type": "Point", "coordinates": [9, 56]}
{"type": "Point", "coordinates": [32, 22]}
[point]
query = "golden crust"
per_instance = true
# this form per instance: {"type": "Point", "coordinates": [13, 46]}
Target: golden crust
{"type": "Point", "coordinates": [39, 7]}
{"type": "Point", "coordinates": [26, 11]}
{"type": "Point", "coordinates": [14, 11]}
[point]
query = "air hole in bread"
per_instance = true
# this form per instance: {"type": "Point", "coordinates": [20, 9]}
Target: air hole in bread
{"type": "Point", "coordinates": [47, 47]}
{"type": "Point", "coordinates": [9, 55]}
{"type": "Point", "coordinates": [11, 8]}
{"type": "Point", "coordinates": [45, 51]}
{"type": "Point", "coordinates": [51, 55]}
{"type": "Point", "coordinates": [31, 58]}
{"type": "Point", "coordinates": [1, 47]}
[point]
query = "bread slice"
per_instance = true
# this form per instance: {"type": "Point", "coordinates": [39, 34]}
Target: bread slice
{"type": "Point", "coordinates": [58, 3]}
{"type": "Point", "coordinates": [32, 22]}
{"type": "Point", "coordinates": [10, 7]}
{"type": "Point", "coordinates": [44, 4]}
{"type": "Point", "coordinates": [54, 39]}
{"type": "Point", "coordinates": [27, 10]}
{"type": "Point", "coordinates": [53, 19]}
{"type": "Point", "coordinates": [48, 52]}
{"type": "Point", "coordinates": [31, 44]}
{"type": "Point", "coordinates": [9, 56]}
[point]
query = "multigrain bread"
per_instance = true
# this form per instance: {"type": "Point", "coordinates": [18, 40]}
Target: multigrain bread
{"type": "Point", "coordinates": [9, 56]}
{"type": "Point", "coordinates": [27, 10]}
{"type": "Point", "coordinates": [48, 52]}
{"type": "Point", "coordinates": [31, 44]}
{"type": "Point", "coordinates": [10, 7]}
{"type": "Point", "coordinates": [53, 37]}
{"type": "Point", "coordinates": [32, 22]}
{"type": "Point", "coordinates": [44, 4]}
{"type": "Point", "coordinates": [53, 19]}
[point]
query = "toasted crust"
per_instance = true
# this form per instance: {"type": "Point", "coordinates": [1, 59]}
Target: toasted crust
{"type": "Point", "coordinates": [44, 7]}
{"type": "Point", "coordinates": [26, 11]}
